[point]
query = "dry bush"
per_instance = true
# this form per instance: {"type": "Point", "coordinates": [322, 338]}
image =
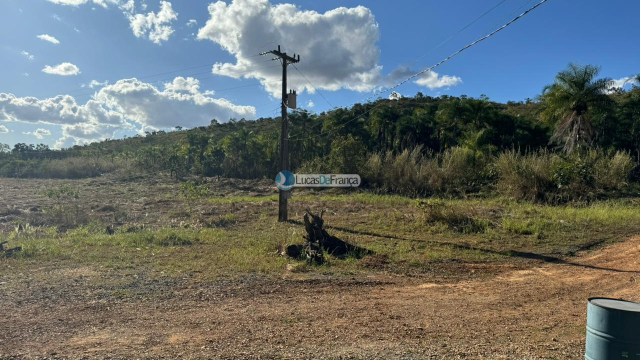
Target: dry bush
{"type": "Point", "coordinates": [463, 219]}
{"type": "Point", "coordinates": [613, 172]}
{"type": "Point", "coordinates": [416, 172]}
{"type": "Point", "coordinates": [528, 176]}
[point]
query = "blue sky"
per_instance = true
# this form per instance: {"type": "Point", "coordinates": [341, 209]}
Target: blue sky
{"type": "Point", "coordinates": [346, 54]}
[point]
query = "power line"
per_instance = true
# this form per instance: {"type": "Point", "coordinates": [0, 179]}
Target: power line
{"type": "Point", "coordinates": [458, 33]}
{"type": "Point", "coordinates": [314, 88]}
{"type": "Point", "coordinates": [459, 51]}
{"type": "Point", "coordinates": [429, 68]}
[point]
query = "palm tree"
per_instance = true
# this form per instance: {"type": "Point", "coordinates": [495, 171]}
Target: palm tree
{"type": "Point", "coordinates": [571, 101]}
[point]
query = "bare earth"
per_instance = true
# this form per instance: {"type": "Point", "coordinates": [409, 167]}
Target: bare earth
{"type": "Point", "coordinates": [537, 313]}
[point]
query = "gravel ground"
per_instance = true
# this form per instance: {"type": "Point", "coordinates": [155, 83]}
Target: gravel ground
{"type": "Point", "coordinates": [88, 313]}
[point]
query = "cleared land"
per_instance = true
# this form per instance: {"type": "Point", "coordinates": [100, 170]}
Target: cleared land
{"type": "Point", "coordinates": [135, 268]}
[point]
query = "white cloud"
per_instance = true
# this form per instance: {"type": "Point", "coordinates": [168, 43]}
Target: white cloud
{"type": "Point", "coordinates": [27, 55]}
{"type": "Point", "coordinates": [395, 96]}
{"type": "Point", "coordinates": [180, 103]}
{"type": "Point", "coordinates": [622, 82]}
{"type": "Point", "coordinates": [338, 48]}
{"type": "Point", "coordinates": [310, 104]}
{"type": "Point", "coordinates": [128, 7]}
{"type": "Point", "coordinates": [155, 27]}
{"type": "Point", "coordinates": [95, 83]}
{"type": "Point", "coordinates": [39, 133]}
{"type": "Point", "coordinates": [189, 85]}
{"type": "Point", "coordinates": [102, 3]}
{"type": "Point", "coordinates": [59, 110]}
{"type": "Point", "coordinates": [3, 129]}
{"type": "Point", "coordinates": [48, 38]}
{"type": "Point", "coordinates": [192, 23]}
{"type": "Point", "coordinates": [432, 80]}
{"type": "Point", "coordinates": [64, 69]}
{"type": "Point", "coordinates": [25, 74]}
{"type": "Point", "coordinates": [118, 106]}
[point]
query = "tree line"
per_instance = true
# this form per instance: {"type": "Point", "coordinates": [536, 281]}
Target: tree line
{"type": "Point", "coordinates": [576, 114]}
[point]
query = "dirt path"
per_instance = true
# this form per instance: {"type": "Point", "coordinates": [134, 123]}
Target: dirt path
{"type": "Point", "coordinates": [537, 313]}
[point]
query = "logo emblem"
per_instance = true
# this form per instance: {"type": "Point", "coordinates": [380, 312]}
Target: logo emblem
{"type": "Point", "coordinates": [285, 180]}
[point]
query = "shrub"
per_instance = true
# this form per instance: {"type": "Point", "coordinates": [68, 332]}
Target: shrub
{"type": "Point", "coordinates": [456, 218]}
{"type": "Point", "coordinates": [550, 177]}
{"type": "Point", "coordinates": [415, 172]}
{"type": "Point", "coordinates": [613, 172]}
{"type": "Point", "coordinates": [67, 211]}
{"type": "Point", "coordinates": [69, 168]}
{"type": "Point", "coordinates": [526, 177]}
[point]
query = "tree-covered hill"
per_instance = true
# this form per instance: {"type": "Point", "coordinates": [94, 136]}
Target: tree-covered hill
{"type": "Point", "coordinates": [576, 114]}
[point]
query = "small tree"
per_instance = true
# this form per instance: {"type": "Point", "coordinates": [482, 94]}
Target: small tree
{"type": "Point", "coordinates": [571, 102]}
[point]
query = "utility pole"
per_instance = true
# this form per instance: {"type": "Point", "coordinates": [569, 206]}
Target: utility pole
{"type": "Point", "coordinates": [283, 211]}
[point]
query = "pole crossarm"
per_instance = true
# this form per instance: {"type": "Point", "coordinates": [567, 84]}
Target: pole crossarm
{"type": "Point", "coordinates": [283, 55]}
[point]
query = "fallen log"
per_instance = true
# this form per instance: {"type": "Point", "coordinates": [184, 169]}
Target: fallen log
{"type": "Point", "coordinates": [318, 241]}
{"type": "Point", "coordinates": [8, 252]}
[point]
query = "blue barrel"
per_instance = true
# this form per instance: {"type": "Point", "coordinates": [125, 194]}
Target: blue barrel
{"type": "Point", "coordinates": [613, 330]}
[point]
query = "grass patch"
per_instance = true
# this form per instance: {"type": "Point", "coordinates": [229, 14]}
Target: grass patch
{"type": "Point", "coordinates": [406, 236]}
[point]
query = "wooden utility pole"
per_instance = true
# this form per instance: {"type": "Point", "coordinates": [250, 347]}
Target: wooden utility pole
{"type": "Point", "coordinates": [283, 211]}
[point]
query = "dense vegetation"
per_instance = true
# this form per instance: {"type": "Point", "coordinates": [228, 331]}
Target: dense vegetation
{"type": "Point", "coordinates": [578, 139]}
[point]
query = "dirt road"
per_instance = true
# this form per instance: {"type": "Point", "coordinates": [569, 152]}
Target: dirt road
{"type": "Point", "coordinates": [537, 313]}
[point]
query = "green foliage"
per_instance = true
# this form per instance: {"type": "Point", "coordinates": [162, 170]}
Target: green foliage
{"type": "Point", "coordinates": [453, 216]}
{"type": "Point", "coordinates": [67, 212]}
{"type": "Point", "coordinates": [411, 146]}
{"type": "Point", "coordinates": [414, 172]}
{"type": "Point", "coordinates": [193, 192]}
{"type": "Point", "coordinates": [572, 102]}
{"type": "Point", "coordinates": [552, 177]}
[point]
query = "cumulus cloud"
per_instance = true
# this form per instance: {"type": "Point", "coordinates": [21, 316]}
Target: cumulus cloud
{"type": "Point", "coordinates": [622, 82]}
{"type": "Point", "coordinates": [395, 96]}
{"type": "Point", "coordinates": [189, 85]}
{"type": "Point", "coordinates": [39, 133]}
{"type": "Point", "coordinates": [95, 83]}
{"type": "Point", "coordinates": [102, 3]}
{"type": "Point", "coordinates": [432, 80]}
{"type": "Point", "coordinates": [3, 129]}
{"type": "Point", "coordinates": [338, 49]}
{"type": "Point", "coordinates": [310, 104]}
{"type": "Point", "coordinates": [123, 105]}
{"type": "Point", "coordinates": [154, 26]}
{"type": "Point", "coordinates": [64, 69]}
{"type": "Point", "coordinates": [192, 23]}
{"type": "Point", "coordinates": [180, 103]}
{"type": "Point", "coordinates": [27, 55]}
{"type": "Point", "coordinates": [48, 38]}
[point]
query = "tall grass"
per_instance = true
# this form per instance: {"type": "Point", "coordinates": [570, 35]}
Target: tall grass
{"type": "Point", "coordinates": [533, 176]}
{"type": "Point", "coordinates": [552, 177]}
{"type": "Point", "coordinates": [415, 172]}
{"type": "Point", "coordinates": [69, 168]}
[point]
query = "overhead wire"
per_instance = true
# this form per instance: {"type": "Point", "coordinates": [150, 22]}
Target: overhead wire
{"type": "Point", "coordinates": [477, 41]}
{"type": "Point", "coordinates": [458, 32]}
{"type": "Point", "coordinates": [314, 88]}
